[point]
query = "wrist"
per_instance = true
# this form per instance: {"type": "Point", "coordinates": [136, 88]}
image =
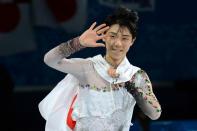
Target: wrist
{"type": "Point", "coordinates": [81, 43]}
{"type": "Point", "coordinates": [77, 43]}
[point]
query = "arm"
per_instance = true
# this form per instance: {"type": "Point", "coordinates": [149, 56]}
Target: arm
{"type": "Point", "coordinates": [56, 57]}
{"type": "Point", "coordinates": [141, 88]}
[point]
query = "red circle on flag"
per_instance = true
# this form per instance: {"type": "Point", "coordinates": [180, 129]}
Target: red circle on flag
{"type": "Point", "coordinates": [9, 17]}
{"type": "Point", "coordinates": [63, 10]}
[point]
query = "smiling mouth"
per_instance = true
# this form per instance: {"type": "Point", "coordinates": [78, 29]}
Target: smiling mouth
{"type": "Point", "coordinates": [116, 50]}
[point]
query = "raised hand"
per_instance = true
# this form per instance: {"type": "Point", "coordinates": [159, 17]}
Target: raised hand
{"type": "Point", "coordinates": [90, 37]}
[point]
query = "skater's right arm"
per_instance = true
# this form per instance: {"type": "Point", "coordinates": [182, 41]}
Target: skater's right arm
{"type": "Point", "coordinates": [57, 57]}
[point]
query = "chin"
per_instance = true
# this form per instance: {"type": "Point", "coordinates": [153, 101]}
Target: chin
{"type": "Point", "coordinates": [116, 57]}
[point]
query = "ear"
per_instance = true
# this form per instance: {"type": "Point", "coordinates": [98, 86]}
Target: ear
{"type": "Point", "coordinates": [133, 40]}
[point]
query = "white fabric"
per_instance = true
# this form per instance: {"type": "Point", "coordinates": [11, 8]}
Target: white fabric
{"type": "Point", "coordinates": [54, 107]}
{"type": "Point", "coordinates": [94, 103]}
{"type": "Point", "coordinates": [98, 106]}
{"type": "Point", "coordinates": [113, 123]}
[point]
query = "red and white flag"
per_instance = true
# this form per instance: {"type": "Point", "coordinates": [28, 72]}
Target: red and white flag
{"type": "Point", "coordinates": [16, 32]}
{"type": "Point", "coordinates": [70, 15]}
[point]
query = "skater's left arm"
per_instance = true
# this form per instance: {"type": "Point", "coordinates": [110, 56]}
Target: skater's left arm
{"type": "Point", "coordinates": [141, 88]}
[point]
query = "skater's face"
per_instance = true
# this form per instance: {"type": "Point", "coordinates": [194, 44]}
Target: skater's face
{"type": "Point", "coordinates": [118, 40]}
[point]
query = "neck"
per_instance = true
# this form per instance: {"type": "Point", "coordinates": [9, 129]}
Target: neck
{"type": "Point", "coordinates": [113, 62]}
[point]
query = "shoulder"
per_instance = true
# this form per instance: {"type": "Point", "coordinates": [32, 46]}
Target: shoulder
{"type": "Point", "coordinates": [140, 76]}
{"type": "Point", "coordinates": [141, 72]}
{"type": "Point", "coordinates": [139, 80]}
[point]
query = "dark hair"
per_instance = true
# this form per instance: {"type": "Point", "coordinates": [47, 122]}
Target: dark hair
{"type": "Point", "coordinates": [124, 17]}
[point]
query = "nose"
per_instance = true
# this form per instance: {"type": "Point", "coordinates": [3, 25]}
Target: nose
{"type": "Point", "coordinates": [118, 43]}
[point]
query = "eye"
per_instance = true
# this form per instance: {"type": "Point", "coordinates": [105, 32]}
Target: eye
{"type": "Point", "coordinates": [125, 39]}
{"type": "Point", "coordinates": [112, 36]}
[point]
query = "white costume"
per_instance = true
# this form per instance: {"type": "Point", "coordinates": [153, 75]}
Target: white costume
{"type": "Point", "coordinates": [97, 106]}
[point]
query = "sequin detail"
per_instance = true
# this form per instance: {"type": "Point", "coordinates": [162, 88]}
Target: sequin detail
{"type": "Point", "coordinates": [114, 87]}
{"type": "Point", "coordinates": [141, 88]}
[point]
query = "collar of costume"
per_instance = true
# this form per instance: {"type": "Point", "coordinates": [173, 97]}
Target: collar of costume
{"type": "Point", "coordinates": [124, 69]}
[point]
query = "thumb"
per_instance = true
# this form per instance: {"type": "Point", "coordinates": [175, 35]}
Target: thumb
{"type": "Point", "coordinates": [100, 45]}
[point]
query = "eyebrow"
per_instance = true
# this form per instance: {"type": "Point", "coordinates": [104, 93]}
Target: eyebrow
{"type": "Point", "coordinates": [114, 33]}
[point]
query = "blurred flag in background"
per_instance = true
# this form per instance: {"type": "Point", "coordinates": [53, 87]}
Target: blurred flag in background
{"type": "Point", "coordinates": [71, 15]}
{"type": "Point", "coordinates": [16, 32]}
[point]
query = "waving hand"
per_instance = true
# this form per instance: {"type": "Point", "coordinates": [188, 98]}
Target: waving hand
{"type": "Point", "coordinates": [90, 37]}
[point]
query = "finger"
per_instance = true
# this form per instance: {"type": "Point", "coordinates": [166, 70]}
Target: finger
{"type": "Point", "coordinates": [102, 30]}
{"type": "Point", "coordinates": [99, 45]}
{"type": "Point", "coordinates": [92, 26]}
{"type": "Point", "coordinates": [99, 27]}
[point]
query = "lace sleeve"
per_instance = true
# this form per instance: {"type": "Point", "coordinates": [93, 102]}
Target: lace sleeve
{"type": "Point", "coordinates": [69, 47]}
{"type": "Point", "coordinates": [141, 88]}
{"type": "Point", "coordinates": [56, 58]}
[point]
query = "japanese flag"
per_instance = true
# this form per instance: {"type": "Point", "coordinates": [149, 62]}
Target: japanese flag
{"type": "Point", "coordinates": [16, 33]}
{"type": "Point", "coordinates": [71, 15]}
